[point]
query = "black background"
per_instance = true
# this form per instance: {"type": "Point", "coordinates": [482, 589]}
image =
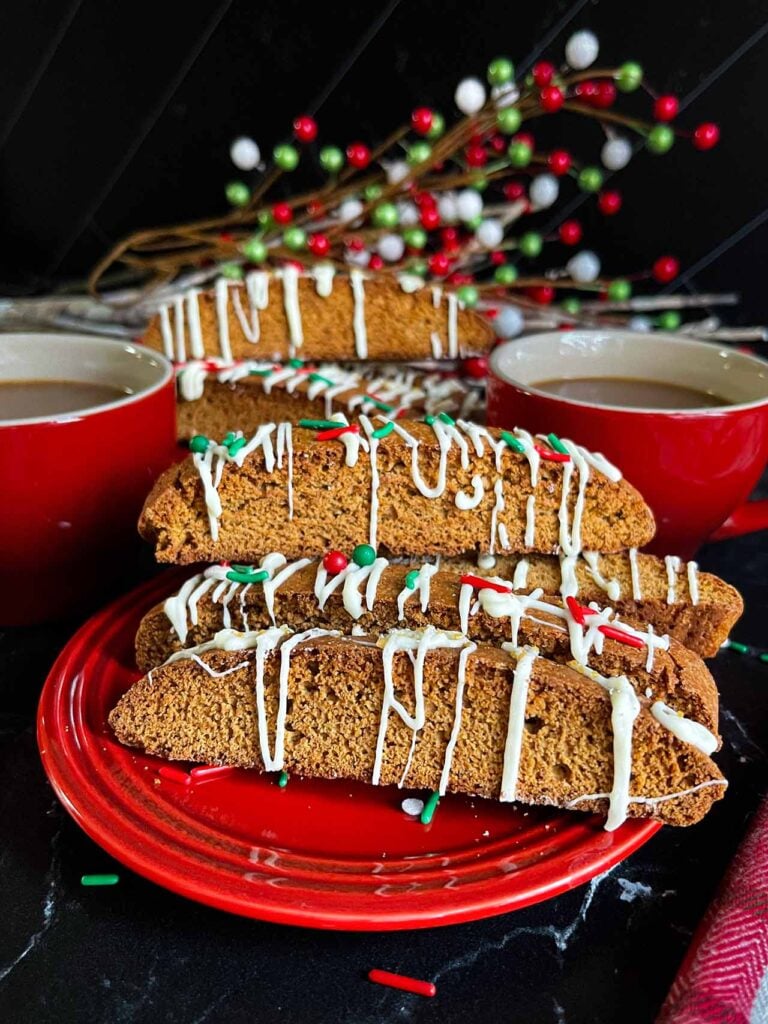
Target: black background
{"type": "Point", "coordinates": [117, 115]}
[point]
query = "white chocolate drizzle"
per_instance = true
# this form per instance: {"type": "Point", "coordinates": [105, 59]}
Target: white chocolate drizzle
{"type": "Point", "coordinates": [693, 582]}
{"type": "Point", "coordinates": [672, 562]}
{"type": "Point", "coordinates": [358, 316]}
{"type": "Point", "coordinates": [684, 728]}
{"type": "Point", "coordinates": [634, 571]}
{"type": "Point", "coordinates": [516, 723]}
{"type": "Point", "coordinates": [611, 587]}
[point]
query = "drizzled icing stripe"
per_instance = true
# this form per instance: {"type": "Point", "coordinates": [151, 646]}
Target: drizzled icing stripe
{"type": "Point", "coordinates": [684, 728]}
{"type": "Point", "coordinates": [672, 562]}
{"type": "Point", "coordinates": [611, 587]}
{"type": "Point", "coordinates": [516, 722]}
{"type": "Point", "coordinates": [648, 800]}
{"type": "Point", "coordinates": [637, 594]}
{"type": "Point", "coordinates": [693, 582]}
{"type": "Point", "coordinates": [358, 316]}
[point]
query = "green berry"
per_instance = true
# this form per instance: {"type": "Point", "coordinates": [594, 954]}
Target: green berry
{"type": "Point", "coordinates": [385, 216]}
{"type": "Point", "coordinates": [286, 157]}
{"type": "Point", "coordinates": [331, 159]}
{"type": "Point", "coordinates": [418, 267]}
{"type": "Point", "coordinates": [437, 127]}
{"type": "Point", "coordinates": [474, 222]}
{"type": "Point", "coordinates": [481, 184]}
{"type": "Point", "coordinates": [669, 320]}
{"type": "Point", "coordinates": [500, 71]}
{"type": "Point", "coordinates": [571, 305]}
{"type": "Point", "coordinates": [509, 120]}
{"type": "Point", "coordinates": [232, 271]}
{"type": "Point", "coordinates": [254, 250]}
{"type": "Point", "coordinates": [265, 219]}
{"type": "Point", "coordinates": [294, 238]}
{"type": "Point", "coordinates": [238, 193]}
{"type": "Point", "coordinates": [519, 154]}
{"type": "Point", "coordinates": [660, 139]}
{"type": "Point", "coordinates": [416, 238]}
{"type": "Point", "coordinates": [619, 290]}
{"type": "Point", "coordinates": [590, 179]}
{"type": "Point", "coordinates": [506, 274]}
{"type": "Point", "coordinates": [530, 244]}
{"type": "Point", "coordinates": [363, 555]}
{"type": "Point", "coordinates": [468, 294]}
{"type": "Point", "coordinates": [199, 443]}
{"type": "Point", "coordinates": [372, 192]}
{"type": "Point", "coordinates": [418, 153]}
{"type": "Point", "coordinates": [629, 76]}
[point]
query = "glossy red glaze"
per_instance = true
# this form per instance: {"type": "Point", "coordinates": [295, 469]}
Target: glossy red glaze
{"type": "Point", "coordinates": [693, 468]}
{"type": "Point", "coordinates": [73, 493]}
{"type": "Point", "coordinates": [316, 853]}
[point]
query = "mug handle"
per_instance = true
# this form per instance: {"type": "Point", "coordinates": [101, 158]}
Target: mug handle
{"type": "Point", "coordinates": [747, 518]}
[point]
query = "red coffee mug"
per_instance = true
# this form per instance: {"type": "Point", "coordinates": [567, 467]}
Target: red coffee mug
{"type": "Point", "coordinates": [73, 484]}
{"type": "Point", "coordinates": [694, 467]}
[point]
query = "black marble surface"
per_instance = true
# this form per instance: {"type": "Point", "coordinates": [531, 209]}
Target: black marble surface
{"type": "Point", "coordinates": [604, 952]}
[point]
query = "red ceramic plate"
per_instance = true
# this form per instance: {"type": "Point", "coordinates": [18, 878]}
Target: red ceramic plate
{"type": "Point", "coordinates": [320, 854]}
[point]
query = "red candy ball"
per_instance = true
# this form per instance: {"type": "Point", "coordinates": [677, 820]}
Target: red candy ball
{"type": "Point", "coordinates": [439, 264]}
{"type": "Point", "coordinates": [543, 294]}
{"type": "Point", "coordinates": [476, 367]}
{"type": "Point", "coordinates": [429, 218]}
{"type": "Point", "coordinates": [282, 213]}
{"type": "Point", "coordinates": [421, 120]}
{"type": "Point", "coordinates": [305, 128]}
{"type": "Point", "coordinates": [605, 94]}
{"type": "Point", "coordinates": [318, 245]}
{"type": "Point", "coordinates": [706, 136]}
{"type": "Point", "coordinates": [666, 107]}
{"type": "Point", "coordinates": [559, 162]}
{"type": "Point", "coordinates": [514, 190]}
{"type": "Point", "coordinates": [543, 73]}
{"type": "Point", "coordinates": [335, 562]}
{"type": "Point", "coordinates": [358, 155]}
{"type": "Point", "coordinates": [551, 99]}
{"type": "Point", "coordinates": [570, 232]}
{"type": "Point", "coordinates": [475, 156]}
{"type": "Point", "coordinates": [375, 262]}
{"type": "Point", "coordinates": [665, 269]}
{"type": "Point", "coordinates": [609, 203]}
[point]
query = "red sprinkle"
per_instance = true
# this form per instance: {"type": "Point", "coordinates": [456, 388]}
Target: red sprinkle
{"type": "Point", "coordinates": [211, 771]}
{"type": "Point", "coordinates": [173, 774]}
{"type": "Point", "coordinates": [624, 638]}
{"type": "Point", "coordinates": [329, 435]}
{"type": "Point", "coordinates": [481, 584]}
{"type": "Point", "coordinates": [547, 453]}
{"type": "Point", "coordinates": [402, 981]}
{"type": "Point", "coordinates": [575, 609]}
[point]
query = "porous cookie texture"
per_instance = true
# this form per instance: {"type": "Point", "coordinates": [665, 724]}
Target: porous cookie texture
{"type": "Point", "coordinates": [569, 751]}
{"type": "Point", "coordinates": [316, 500]}
{"type": "Point", "coordinates": [284, 314]}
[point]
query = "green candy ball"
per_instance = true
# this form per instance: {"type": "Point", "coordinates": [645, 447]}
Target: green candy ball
{"type": "Point", "coordinates": [385, 216]}
{"type": "Point", "coordinates": [286, 157]}
{"type": "Point", "coordinates": [232, 271]}
{"type": "Point", "coordinates": [331, 159]}
{"type": "Point", "coordinates": [530, 244]}
{"type": "Point", "coordinates": [437, 127]}
{"type": "Point", "coordinates": [416, 238]}
{"type": "Point", "coordinates": [506, 274]}
{"type": "Point", "coordinates": [468, 294]}
{"type": "Point", "coordinates": [619, 290]}
{"type": "Point", "coordinates": [509, 120]}
{"type": "Point", "coordinates": [669, 320]}
{"type": "Point", "coordinates": [660, 139]}
{"type": "Point", "coordinates": [590, 179]}
{"type": "Point", "coordinates": [572, 306]}
{"type": "Point", "coordinates": [238, 193]}
{"type": "Point", "coordinates": [418, 267]}
{"type": "Point", "coordinates": [294, 238]}
{"type": "Point", "coordinates": [363, 555]}
{"type": "Point", "coordinates": [629, 76]}
{"type": "Point", "coordinates": [254, 250]}
{"type": "Point", "coordinates": [500, 71]}
{"type": "Point", "coordinates": [519, 154]}
{"type": "Point", "coordinates": [372, 192]}
{"type": "Point", "coordinates": [418, 153]}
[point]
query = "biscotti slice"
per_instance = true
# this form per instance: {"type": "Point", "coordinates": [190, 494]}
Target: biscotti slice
{"type": "Point", "coordinates": [413, 488]}
{"type": "Point", "coordinates": [378, 597]}
{"type": "Point", "coordinates": [318, 315]}
{"type": "Point", "coordinates": [429, 710]}
{"type": "Point", "coordinates": [214, 398]}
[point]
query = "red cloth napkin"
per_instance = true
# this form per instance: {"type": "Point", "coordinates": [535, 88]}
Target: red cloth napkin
{"type": "Point", "coordinates": [724, 977]}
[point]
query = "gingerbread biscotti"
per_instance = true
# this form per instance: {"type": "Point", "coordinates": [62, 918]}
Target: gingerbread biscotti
{"type": "Point", "coordinates": [412, 488]}
{"type": "Point", "coordinates": [318, 315]}
{"type": "Point", "coordinates": [425, 709]}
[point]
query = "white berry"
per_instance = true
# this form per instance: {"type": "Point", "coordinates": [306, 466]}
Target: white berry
{"type": "Point", "coordinates": [244, 153]}
{"type": "Point", "coordinates": [397, 171]}
{"type": "Point", "coordinates": [490, 233]}
{"type": "Point", "coordinates": [349, 210]}
{"type": "Point", "coordinates": [639, 323]}
{"type": "Point", "coordinates": [469, 204]}
{"type": "Point", "coordinates": [509, 322]}
{"type": "Point", "coordinates": [470, 95]}
{"type": "Point", "coordinates": [408, 214]}
{"type": "Point", "coordinates": [447, 207]}
{"type": "Point", "coordinates": [616, 153]}
{"type": "Point", "coordinates": [582, 49]}
{"type": "Point", "coordinates": [391, 248]}
{"type": "Point", "coordinates": [584, 267]}
{"type": "Point", "coordinates": [544, 191]}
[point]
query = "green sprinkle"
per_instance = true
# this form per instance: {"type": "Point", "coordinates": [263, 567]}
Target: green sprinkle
{"type": "Point", "coordinates": [557, 444]}
{"type": "Point", "coordinates": [260, 373]}
{"type": "Point", "coordinates": [764, 656]}
{"type": "Point", "coordinates": [446, 419]}
{"type": "Point", "coordinates": [320, 424]}
{"type": "Point", "coordinates": [385, 430]}
{"type": "Point", "coordinates": [241, 574]}
{"type": "Point", "coordinates": [429, 420]}
{"type": "Point", "coordinates": [296, 363]}
{"type": "Point", "coordinates": [319, 377]}
{"type": "Point", "coordinates": [734, 645]}
{"type": "Point", "coordinates": [512, 441]}
{"type": "Point", "coordinates": [379, 404]}
{"type": "Point", "coordinates": [282, 780]}
{"type": "Point", "coordinates": [429, 808]}
{"type": "Point", "coordinates": [410, 579]}
{"type": "Point", "coordinates": [234, 446]}
{"type": "Point", "coordinates": [199, 443]}
{"type": "Point", "coordinates": [99, 879]}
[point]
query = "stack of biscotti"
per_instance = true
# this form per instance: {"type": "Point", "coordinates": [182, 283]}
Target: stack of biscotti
{"type": "Point", "coordinates": [326, 639]}
{"type": "Point", "coordinates": [290, 345]}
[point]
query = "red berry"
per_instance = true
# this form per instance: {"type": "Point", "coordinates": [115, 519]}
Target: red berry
{"type": "Point", "coordinates": [355, 244]}
{"type": "Point", "coordinates": [543, 294]}
{"type": "Point", "coordinates": [421, 120]}
{"type": "Point", "coordinates": [358, 155]}
{"type": "Point", "coordinates": [475, 156]}
{"type": "Point", "coordinates": [498, 143]}
{"type": "Point", "coordinates": [315, 208]}
{"type": "Point", "coordinates": [665, 108]}
{"type": "Point", "coordinates": [706, 136]}
{"type": "Point", "coordinates": [282, 213]}
{"type": "Point", "coordinates": [497, 259]}
{"type": "Point", "coordinates": [305, 128]}
{"type": "Point", "coordinates": [665, 269]}
{"type": "Point", "coordinates": [585, 91]}
{"type": "Point", "coordinates": [449, 236]}
{"type": "Point", "coordinates": [551, 99]}
{"type": "Point", "coordinates": [543, 73]}
{"type": "Point", "coordinates": [476, 367]}
{"type": "Point", "coordinates": [514, 190]}
{"type": "Point", "coordinates": [605, 94]}
{"type": "Point", "coordinates": [423, 199]}
{"type": "Point", "coordinates": [559, 162]}
{"type": "Point", "coordinates": [570, 232]}
{"type": "Point", "coordinates": [609, 203]}
{"type": "Point", "coordinates": [526, 138]}
{"type": "Point", "coordinates": [226, 236]}
{"type": "Point", "coordinates": [457, 278]}
{"type": "Point", "coordinates": [335, 562]}
{"type": "Point", "coordinates": [429, 217]}
{"type": "Point", "coordinates": [318, 245]}
{"type": "Point", "coordinates": [375, 262]}
{"type": "Point", "coordinates": [439, 264]}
